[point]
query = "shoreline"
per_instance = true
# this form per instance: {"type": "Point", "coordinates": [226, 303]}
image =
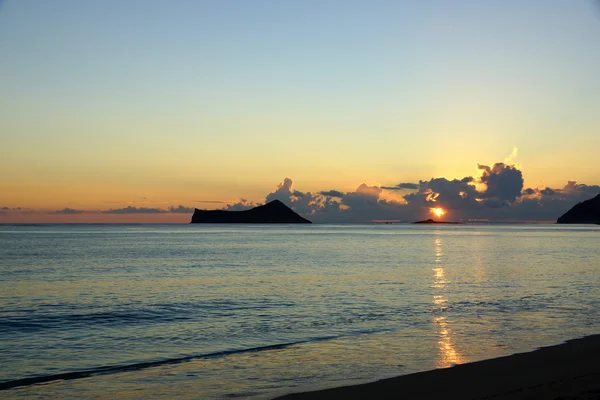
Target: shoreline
{"type": "Point", "coordinates": [569, 370]}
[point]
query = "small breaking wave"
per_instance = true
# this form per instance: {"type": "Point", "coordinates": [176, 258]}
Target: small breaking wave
{"type": "Point", "coordinates": [113, 369]}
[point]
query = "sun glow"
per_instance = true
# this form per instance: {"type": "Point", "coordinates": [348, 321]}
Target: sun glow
{"type": "Point", "coordinates": [437, 211]}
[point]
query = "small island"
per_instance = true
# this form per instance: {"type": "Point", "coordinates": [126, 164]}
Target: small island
{"type": "Point", "coordinates": [587, 212]}
{"type": "Point", "coordinates": [274, 212]}
{"type": "Point", "coordinates": [432, 221]}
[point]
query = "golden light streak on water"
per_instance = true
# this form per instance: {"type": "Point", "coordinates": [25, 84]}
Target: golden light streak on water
{"type": "Point", "coordinates": [448, 355]}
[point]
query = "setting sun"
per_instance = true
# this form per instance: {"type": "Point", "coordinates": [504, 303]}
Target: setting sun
{"type": "Point", "coordinates": [438, 211]}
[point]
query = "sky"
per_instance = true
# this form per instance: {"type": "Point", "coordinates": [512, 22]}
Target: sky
{"type": "Point", "coordinates": [141, 110]}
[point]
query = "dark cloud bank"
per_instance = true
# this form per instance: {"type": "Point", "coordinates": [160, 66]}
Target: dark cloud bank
{"type": "Point", "coordinates": [68, 211]}
{"type": "Point", "coordinates": [180, 209]}
{"type": "Point", "coordinates": [497, 195]}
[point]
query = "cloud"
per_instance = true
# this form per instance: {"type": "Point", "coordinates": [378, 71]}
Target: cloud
{"type": "Point", "coordinates": [241, 205]}
{"type": "Point", "coordinates": [503, 182]}
{"type": "Point", "coordinates": [362, 205]}
{"type": "Point", "coordinates": [498, 194]}
{"type": "Point", "coordinates": [366, 204]}
{"type": "Point", "coordinates": [135, 210]}
{"type": "Point", "coordinates": [20, 209]}
{"type": "Point", "coordinates": [8, 211]}
{"type": "Point", "coordinates": [302, 202]}
{"type": "Point", "coordinates": [547, 192]}
{"type": "Point", "coordinates": [572, 188]}
{"type": "Point", "coordinates": [402, 186]}
{"type": "Point", "coordinates": [181, 209]}
{"type": "Point", "coordinates": [332, 193]}
{"type": "Point", "coordinates": [550, 203]}
{"type": "Point", "coordinates": [365, 196]}
{"type": "Point", "coordinates": [512, 158]}
{"type": "Point", "coordinates": [455, 194]}
{"type": "Point", "coordinates": [68, 211]}
{"type": "Point", "coordinates": [283, 192]}
{"type": "Point", "coordinates": [528, 192]}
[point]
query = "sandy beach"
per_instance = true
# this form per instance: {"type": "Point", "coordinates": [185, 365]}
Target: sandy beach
{"type": "Point", "coordinates": [566, 371]}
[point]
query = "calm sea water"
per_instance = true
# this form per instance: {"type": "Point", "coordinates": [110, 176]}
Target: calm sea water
{"type": "Point", "coordinates": [216, 312]}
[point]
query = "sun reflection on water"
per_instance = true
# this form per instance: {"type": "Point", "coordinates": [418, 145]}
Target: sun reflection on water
{"type": "Point", "coordinates": [448, 355]}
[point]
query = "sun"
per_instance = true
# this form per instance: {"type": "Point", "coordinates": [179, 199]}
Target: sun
{"type": "Point", "coordinates": [437, 211]}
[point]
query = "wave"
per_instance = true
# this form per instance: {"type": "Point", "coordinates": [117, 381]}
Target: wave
{"type": "Point", "coordinates": [71, 316]}
{"type": "Point", "coordinates": [113, 369]}
{"type": "Point", "coordinates": [57, 321]}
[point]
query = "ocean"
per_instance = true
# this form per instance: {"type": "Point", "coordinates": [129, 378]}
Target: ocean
{"type": "Point", "coordinates": [228, 311]}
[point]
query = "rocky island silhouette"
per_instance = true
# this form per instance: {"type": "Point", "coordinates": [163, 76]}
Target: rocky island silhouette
{"type": "Point", "coordinates": [274, 212]}
{"type": "Point", "coordinates": [432, 221]}
{"type": "Point", "coordinates": [586, 212]}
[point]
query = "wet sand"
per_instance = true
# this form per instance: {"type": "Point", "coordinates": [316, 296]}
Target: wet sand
{"type": "Point", "coordinates": [566, 371]}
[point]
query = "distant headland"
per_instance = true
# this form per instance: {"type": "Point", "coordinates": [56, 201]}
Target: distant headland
{"type": "Point", "coordinates": [432, 221]}
{"type": "Point", "coordinates": [587, 212]}
{"type": "Point", "coordinates": [274, 212]}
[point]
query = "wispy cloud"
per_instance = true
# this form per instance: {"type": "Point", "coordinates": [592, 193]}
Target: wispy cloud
{"type": "Point", "coordinates": [332, 193]}
{"type": "Point", "coordinates": [135, 210]}
{"type": "Point", "coordinates": [180, 209]}
{"type": "Point", "coordinates": [402, 186]}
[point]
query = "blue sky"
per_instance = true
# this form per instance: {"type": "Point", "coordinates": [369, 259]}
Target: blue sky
{"type": "Point", "coordinates": [187, 100]}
